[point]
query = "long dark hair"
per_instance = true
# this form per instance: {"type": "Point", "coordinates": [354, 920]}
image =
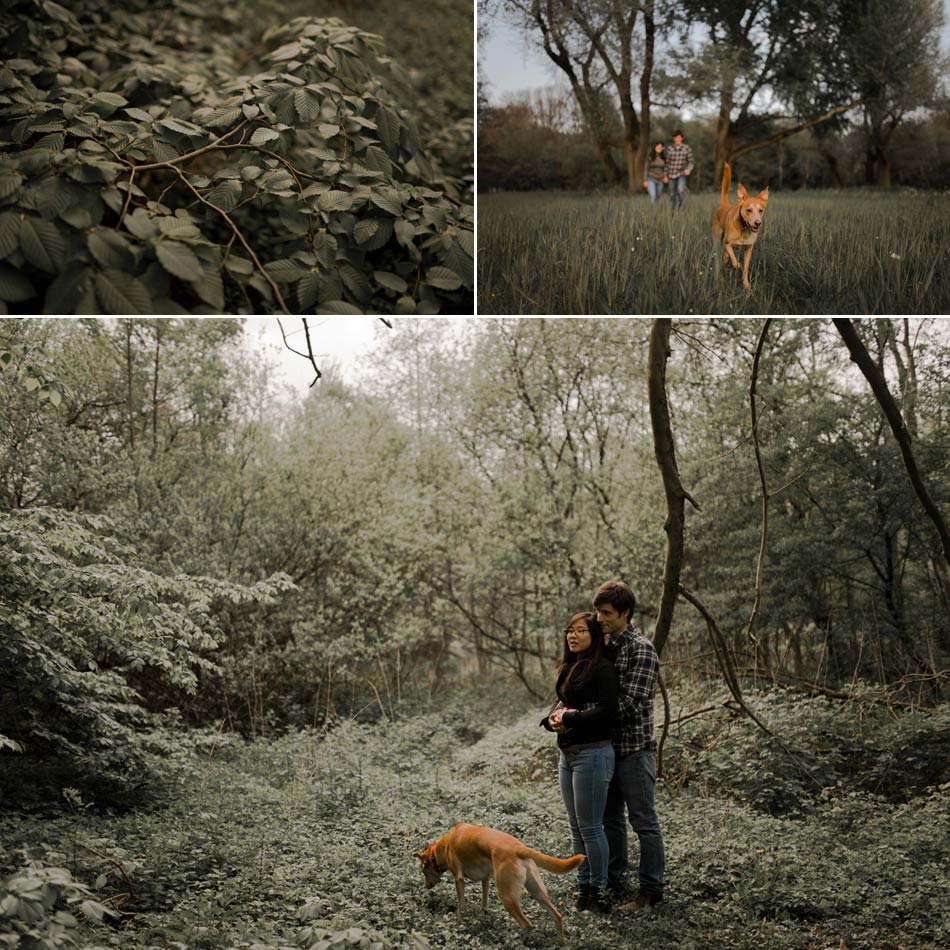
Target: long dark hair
{"type": "Point", "coordinates": [582, 664]}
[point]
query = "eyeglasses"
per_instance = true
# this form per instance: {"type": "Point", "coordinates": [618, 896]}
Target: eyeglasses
{"type": "Point", "coordinates": [576, 630]}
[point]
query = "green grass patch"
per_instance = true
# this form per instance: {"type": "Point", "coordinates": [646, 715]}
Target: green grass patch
{"type": "Point", "coordinates": [818, 253]}
{"type": "Point", "coordinates": [307, 838]}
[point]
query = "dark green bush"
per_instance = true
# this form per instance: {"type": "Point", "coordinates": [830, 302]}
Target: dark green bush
{"type": "Point", "coordinates": [142, 172]}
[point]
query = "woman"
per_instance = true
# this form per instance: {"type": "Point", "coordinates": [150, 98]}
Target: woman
{"type": "Point", "coordinates": [656, 173]}
{"type": "Point", "coordinates": [583, 718]}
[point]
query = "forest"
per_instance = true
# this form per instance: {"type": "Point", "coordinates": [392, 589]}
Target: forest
{"type": "Point", "coordinates": [267, 156]}
{"type": "Point", "coordinates": [807, 95]}
{"type": "Point", "coordinates": [257, 648]}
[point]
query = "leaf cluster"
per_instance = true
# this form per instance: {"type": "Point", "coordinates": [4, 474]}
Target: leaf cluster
{"type": "Point", "coordinates": [141, 173]}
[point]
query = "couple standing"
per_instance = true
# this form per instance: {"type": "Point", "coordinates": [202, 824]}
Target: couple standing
{"type": "Point", "coordinates": [604, 719]}
{"type": "Point", "coordinates": [672, 166]}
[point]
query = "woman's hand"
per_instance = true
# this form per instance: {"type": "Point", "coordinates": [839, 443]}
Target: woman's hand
{"type": "Point", "coordinates": [645, 185]}
{"type": "Point", "coordinates": [555, 720]}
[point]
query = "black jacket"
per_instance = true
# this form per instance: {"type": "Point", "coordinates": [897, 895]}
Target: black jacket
{"type": "Point", "coordinates": [594, 697]}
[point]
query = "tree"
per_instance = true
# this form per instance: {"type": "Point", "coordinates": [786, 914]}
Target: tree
{"type": "Point", "coordinates": [892, 53]}
{"type": "Point", "coordinates": [600, 44]}
{"type": "Point", "coordinates": [751, 60]}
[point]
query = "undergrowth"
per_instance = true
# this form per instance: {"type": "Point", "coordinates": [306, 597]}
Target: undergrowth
{"type": "Point", "coordinates": [307, 839]}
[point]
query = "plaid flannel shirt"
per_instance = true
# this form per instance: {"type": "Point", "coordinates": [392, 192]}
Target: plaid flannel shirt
{"type": "Point", "coordinates": [637, 669]}
{"type": "Point", "coordinates": [678, 160]}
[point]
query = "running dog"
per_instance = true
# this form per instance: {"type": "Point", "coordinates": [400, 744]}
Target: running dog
{"type": "Point", "coordinates": [477, 853]}
{"type": "Point", "coordinates": [739, 224]}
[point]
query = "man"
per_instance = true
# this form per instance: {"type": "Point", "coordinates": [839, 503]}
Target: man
{"type": "Point", "coordinates": [679, 165]}
{"type": "Point", "coordinates": [632, 786]}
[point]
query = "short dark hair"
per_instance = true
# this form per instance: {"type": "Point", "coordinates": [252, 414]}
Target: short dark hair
{"type": "Point", "coordinates": [677, 132]}
{"type": "Point", "coordinates": [618, 595]}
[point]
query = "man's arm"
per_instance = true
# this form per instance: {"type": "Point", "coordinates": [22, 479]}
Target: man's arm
{"type": "Point", "coordinates": [637, 672]}
{"type": "Point", "coordinates": [689, 160]}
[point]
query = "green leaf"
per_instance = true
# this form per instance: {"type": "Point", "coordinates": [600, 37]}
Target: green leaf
{"type": "Point", "coordinates": [388, 125]}
{"type": "Point", "coordinates": [388, 199]}
{"type": "Point", "coordinates": [335, 201]}
{"type": "Point", "coordinates": [443, 278]}
{"type": "Point", "coordinates": [284, 271]}
{"type": "Point", "coordinates": [338, 306]}
{"type": "Point", "coordinates": [356, 282]}
{"type": "Point", "coordinates": [110, 249]}
{"type": "Point", "coordinates": [390, 281]}
{"type": "Point", "coordinates": [263, 136]}
{"type": "Point", "coordinates": [178, 259]}
{"type": "Point", "coordinates": [365, 230]}
{"type": "Point", "coordinates": [42, 244]}
{"type": "Point", "coordinates": [223, 117]}
{"type": "Point", "coordinates": [225, 194]}
{"type": "Point", "coordinates": [120, 293]}
{"type": "Point", "coordinates": [307, 105]}
{"type": "Point", "coordinates": [178, 227]}
{"type": "Point", "coordinates": [141, 224]}
{"type": "Point", "coordinates": [405, 305]}
{"type": "Point", "coordinates": [405, 232]}
{"type": "Point", "coordinates": [14, 287]}
{"type": "Point", "coordinates": [307, 290]}
{"type": "Point", "coordinates": [378, 160]}
{"type": "Point", "coordinates": [209, 287]}
{"type": "Point", "coordinates": [9, 183]}
{"type": "Point", "coordinates": [9, 233]}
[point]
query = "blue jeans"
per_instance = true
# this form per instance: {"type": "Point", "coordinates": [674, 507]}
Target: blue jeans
{"type": "Point", "coordinates": [632, 790]}
{"type": "Point", "coordinates": [655, 188]}
{"type": "Point", "coordinates": [585, 777]}
{"type": "Point", "coordinates": [678, 190]}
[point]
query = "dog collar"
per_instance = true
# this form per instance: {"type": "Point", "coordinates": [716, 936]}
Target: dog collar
{"type": "Point", "coordinates": [435, 860]}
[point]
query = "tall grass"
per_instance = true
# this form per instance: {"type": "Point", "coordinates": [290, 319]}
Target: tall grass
{"type": "Point", "coordinates": [819, 252]}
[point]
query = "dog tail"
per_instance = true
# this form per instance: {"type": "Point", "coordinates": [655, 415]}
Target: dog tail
{"type": "Point", "coordinates": [726, 182]}
{"type": "Point", "coordinates": [554, 865]}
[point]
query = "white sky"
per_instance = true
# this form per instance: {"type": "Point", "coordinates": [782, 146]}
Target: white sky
{"type": "Point", "coordinates": [337, 341]}
{"type": "Point", "coordinates": [347, 343]}
{"type": "Point", "coordinates": [510, 63]}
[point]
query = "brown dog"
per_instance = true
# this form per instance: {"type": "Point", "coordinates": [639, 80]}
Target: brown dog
{"type": "Point", "coordinates": [476, 853]}
{"type": "Point", "coordinates": [739, 224]}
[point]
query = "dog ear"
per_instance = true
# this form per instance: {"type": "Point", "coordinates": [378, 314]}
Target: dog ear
{"type": "Point", "coordinates": [741, 193]}
{"type": "Point", "coordinates": [764, 195]}
{"type": "Point", "coordinates": [419, 854]}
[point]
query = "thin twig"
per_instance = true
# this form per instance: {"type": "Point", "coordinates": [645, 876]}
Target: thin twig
{"type": "Point", "coordinates": [238, 235]}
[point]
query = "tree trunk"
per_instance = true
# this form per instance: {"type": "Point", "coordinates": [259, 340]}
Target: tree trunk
{"type": "Point", "coordinates": [665, 451]}
{"type": "Point", "coordinates": [892, 413]}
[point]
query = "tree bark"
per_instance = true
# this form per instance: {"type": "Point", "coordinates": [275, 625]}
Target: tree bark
{"type": "Point", "coordinates": [665, 451]}
{"type": "Point", "coordinates": [892, 413]}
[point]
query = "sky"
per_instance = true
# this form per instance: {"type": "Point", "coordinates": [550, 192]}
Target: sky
{"type": "Point", "coordinates": [512, 64]}
{"type": "Point", "coordinates": [347, 344]}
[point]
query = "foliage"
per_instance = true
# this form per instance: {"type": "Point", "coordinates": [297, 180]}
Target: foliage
{"type": "Point", "coordinates": [35, 908]}
{"type": "Point", "coordinates": [853, 254]}
{"type": "Point", "coordinates": [87, 634]}
{"type": "Point", "coordinates": [243, 856]}
{"type": "Point", "coordinates": [141, 175]}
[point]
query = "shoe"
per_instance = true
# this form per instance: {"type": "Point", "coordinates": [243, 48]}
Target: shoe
{"type": "Point", "coordinates": [599, 902]}
{"type": "Point", "coordinates": [620, 892]}
{"type": "Point", "coordinates": [582, 897]}
{"type": "Point", "coordinates": [639, 902]}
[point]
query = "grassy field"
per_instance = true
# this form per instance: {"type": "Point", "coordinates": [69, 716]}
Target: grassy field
{"type": "Point", "coordinates": [819, 252]}
{"type": "Point", "coordinates": [307, 840]}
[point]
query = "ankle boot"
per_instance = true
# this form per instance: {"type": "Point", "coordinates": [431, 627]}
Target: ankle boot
{"type": "Point", "coordinates": [599, 901]}
{"type": "Point", "coordinates": [582, 897]}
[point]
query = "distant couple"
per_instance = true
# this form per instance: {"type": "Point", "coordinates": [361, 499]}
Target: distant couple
{"type": "Point", "coordinates": [604, 720]}
{"type": "Point", "coordinates": [672, 166]}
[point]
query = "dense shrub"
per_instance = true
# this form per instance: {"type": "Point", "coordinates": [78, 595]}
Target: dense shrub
{"type": "Point", "coordinates": [84, 635]}
{"type": "Point", "coordinates": [141, 172]}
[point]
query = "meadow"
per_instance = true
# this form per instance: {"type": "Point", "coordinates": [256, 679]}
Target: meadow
{"type": "Point", "coordinates": [306, 839]}
{"type": "Point", "coordinates": [818, 253]}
